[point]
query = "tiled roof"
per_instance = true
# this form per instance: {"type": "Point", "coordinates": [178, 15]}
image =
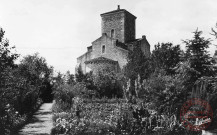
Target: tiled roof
{"type": "Point", "coordinates": [121, 45]}
{"type": "Point", "coordinates": [133, 41]}
{"type": "Point", "coordinates": [119, 10]}
{"type": "Point", "coordinates": [100, 59]}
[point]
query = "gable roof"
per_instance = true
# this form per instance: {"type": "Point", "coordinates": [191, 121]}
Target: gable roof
{"type": "Point", "coordinates": [102, 36]}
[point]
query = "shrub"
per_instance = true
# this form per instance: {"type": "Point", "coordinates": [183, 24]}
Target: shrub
{"type": "Point", "coordinates": [107, 84]}
{"type": "Point", "coordinates": [112, 117]}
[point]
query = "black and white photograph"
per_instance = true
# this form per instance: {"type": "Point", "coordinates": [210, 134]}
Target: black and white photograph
{"type": "Point", "coordinates": [108, 67]}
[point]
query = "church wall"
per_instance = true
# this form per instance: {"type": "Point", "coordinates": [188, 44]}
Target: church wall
{"type": "Point", "coordinates": [123, 23]}
{"type": "Point", "coordinates": [120, 55]}
{"type": "Point", "coordinates": [145, 47]}
{"type": "Point", "coordinates": [130, 27]}
{"type": "Point", "coordinates": [100, 66]}
{"type": "Point", "coordinates": [111, 51]}
{"type": "Point", "coordinates": [85, 57]}
{"type": "Point", "coordinates": [114, 21]}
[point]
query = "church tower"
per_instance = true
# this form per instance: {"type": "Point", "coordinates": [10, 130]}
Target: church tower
{"type": "Point", "coordinates": [119, 25]}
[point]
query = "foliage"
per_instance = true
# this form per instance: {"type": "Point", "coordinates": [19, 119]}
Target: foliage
{"type": "Point", "coordinates": [79, 75]}
{"type": "Point", "coordinates": [65, 92]}
{"type": "Point", "coordinates": [214, 33]}
{"type": "Point", "coordinates": [7, 55]}
{"type": "Point", "coordinates": [10, 119]}
{"type": "Point", "coordinates": [153, 90]}
{"type": "Point", "coordinates": [198, 56]}
{"type": "Point", "coordinates": [110, 118]}
{"type": "Point", "coordinates": [107, 84]}
{"type": "Point", "coordinates": [70, 78]}
{"type": "Point", "coordinates": [37, 74]}
{"type": "Point", "coordinates": [166, 56]}
{"type": "Point", "coordinates": [206, 89]}
{"type": "Point", "coordinates": [21, 86]}
{"type": "Point", "coordinates": [137, 63]}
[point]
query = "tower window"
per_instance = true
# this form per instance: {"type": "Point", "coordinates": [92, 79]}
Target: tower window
{"type": "Point", "coordinates": [112, 33]}
{"type": "Point", "coordinates": [103, 49]}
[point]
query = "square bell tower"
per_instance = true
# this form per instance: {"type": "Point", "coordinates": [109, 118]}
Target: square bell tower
{"type": "Point", "coordinates": [119, 24]}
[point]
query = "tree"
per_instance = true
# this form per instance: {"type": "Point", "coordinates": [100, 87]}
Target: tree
{"type": "Point", "coordinates": [166, 56]}
{"type": "Point", "coordinates": [79, 75]}
{"type": "Point", "coordinates": [70, 78]}
{"type": "Point", "coordinates": [21, 85]}
{"type": "Point", "coordinates": [7, 57]}
{"type": "Point", "coordinates": [59, 79]}
{"type": "Point", "coordinates": [198, 56]}
{"type": "Point", "coordinates": [214, 32]}
{"type": "Point", "coordinates": [138, 64]}
{"type": "Point", "coordinates": [107, 84]}
{"type": "Point", "coordinates": [38, 74]}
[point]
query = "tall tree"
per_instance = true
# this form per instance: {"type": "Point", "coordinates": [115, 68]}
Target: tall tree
{"type": "Point", "coordinates": [79, 75]}
{"type": "Point", "coordinates": [166, 56]}
{"type": "Point", "coordinates": [7, 59]}
{"type": "Point", "coordinates": [7, 55]}
{"type": "Point", "coordinates": [198, 55]}
{"type": "Point", "coordinates": [138, 64]}
{"type": "Point", "coordinates": [38, 74]}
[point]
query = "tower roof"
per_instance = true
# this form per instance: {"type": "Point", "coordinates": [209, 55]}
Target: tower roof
{"type": "Point", "coordinates": [116, 11]}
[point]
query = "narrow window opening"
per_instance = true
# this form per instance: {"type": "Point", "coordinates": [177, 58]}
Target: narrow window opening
{"type": "Point", "coordinates": [112, 33]}
{"type": "Point", "coordinates": [103, 49]}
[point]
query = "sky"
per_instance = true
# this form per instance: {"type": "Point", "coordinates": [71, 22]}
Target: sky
{"type": "Point", "coordinates": [61, 30]}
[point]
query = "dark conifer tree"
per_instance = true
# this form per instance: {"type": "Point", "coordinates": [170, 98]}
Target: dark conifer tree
{"type": "Point", "coordinates": [79, 76]}
{"type": "Point", "coordinates": [198, 55]}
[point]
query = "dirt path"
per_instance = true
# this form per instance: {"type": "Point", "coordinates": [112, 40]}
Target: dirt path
{"type": "Point", "coordinates": [41, 123]}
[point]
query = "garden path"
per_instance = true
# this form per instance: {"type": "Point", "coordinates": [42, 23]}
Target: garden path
{"type": "Point", "coordinates": [41, 122]}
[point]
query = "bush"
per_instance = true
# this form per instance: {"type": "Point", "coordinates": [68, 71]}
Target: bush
{"type": "Point", "coordinates": [66, 92]}
{"type": "Point", "coordinates": [107, 84]}
{"type": "Point", "coordinates": [110, 117]}
{"type": "Point", "coordinates": [20, 85]}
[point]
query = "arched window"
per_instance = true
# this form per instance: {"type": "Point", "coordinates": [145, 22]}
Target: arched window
{"type": "Point", "coordinates": [103, 49]}
{"type": "Point", "coordinates": [112, 33]}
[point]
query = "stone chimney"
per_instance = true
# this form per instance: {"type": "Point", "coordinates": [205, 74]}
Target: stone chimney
{"type": "Point", "coordinates": [118, 7]}
{"type": "Point", "coordinates": [143, 36]}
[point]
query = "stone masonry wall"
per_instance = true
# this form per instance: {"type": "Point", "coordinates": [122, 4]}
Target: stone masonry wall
{"type": "Point", "coordinates": [111, 50]}
{"type": "Point", "coordinates": [130, 27]}
{"type": "Point", "coordinates": [85, 57]}
{"type": "Point", "coordinates": [145, 47]}
{"type": "Point", "coordinates": [114, 21]}
{"type": "Point", "coordinates": [123, 24]}
{"type": "Point", "coordinates": [100, 66]}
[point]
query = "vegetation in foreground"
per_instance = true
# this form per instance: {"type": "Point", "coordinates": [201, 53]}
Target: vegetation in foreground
{"type": "Point", "coordinates": [145, 98]}
{"type": "Point", "coordinates": [23, 86]}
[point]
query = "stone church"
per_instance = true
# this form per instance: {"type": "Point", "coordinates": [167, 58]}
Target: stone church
{"type": "Point", "coordinates": [111, 49]}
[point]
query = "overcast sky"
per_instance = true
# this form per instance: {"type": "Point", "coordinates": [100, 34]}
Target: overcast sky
{"type": "Point", "coordinates": [60, 30]}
